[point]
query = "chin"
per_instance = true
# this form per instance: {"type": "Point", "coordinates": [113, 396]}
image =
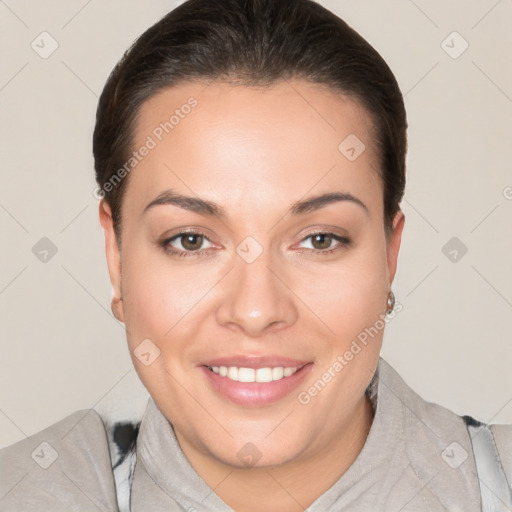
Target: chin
{"type": "Point", "coordinates": [258, 453]}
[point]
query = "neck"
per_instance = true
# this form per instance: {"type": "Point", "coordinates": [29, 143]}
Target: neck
{"type": "Point", "coordinates": [291, 487]}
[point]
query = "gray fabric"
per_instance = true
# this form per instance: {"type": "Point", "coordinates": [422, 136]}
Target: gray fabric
{"type": "Point", "coordinates": [503, 439]}
{"type": "Point", "coordinates": [71, 471]}
{"type": "Point", "coordinates": [494, 487]}
{"type": "Point", "coordinates": [417, 457]}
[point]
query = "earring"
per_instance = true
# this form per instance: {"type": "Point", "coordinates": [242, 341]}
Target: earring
{"type": "Point", "coordinates": [391, 303]}
{"type": "Point", "coordinates": [114, 305]}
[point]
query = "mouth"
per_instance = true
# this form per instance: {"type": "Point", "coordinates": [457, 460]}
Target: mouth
{"type": "Point", "coordinates": [254, 382]}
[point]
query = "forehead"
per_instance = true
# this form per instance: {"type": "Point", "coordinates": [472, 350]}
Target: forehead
{"type": "Point", "coordinates": [235, 143]}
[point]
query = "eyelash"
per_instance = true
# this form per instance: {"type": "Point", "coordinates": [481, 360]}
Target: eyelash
{"type": "Point", "coordinates": [343, 242]}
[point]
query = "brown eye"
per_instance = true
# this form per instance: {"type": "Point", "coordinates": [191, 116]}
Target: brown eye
{"type": "Point", "coordinates": [186, 244]}
{"type": "Point", "coordinates": [321, 241]}
{"type": "Point", "coordinates": [325, 243]}
{"type": "Point", "coordinates": [191, 242]}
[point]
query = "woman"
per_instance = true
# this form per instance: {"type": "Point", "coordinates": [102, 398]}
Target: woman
{"type": "Point", "coordinates": [250, 156]}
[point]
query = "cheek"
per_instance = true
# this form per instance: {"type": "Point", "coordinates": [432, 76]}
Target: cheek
{"type": "Point", "coordinates": [162, 303]}
{"type": "Point", "coordinates": [351, 301]}
{"type": "Point", "coordinates": [350, 294]}
{"type": "Point", "coordinates": [365, 294]}
{"type": "Point", "coordinates": [158, 296]}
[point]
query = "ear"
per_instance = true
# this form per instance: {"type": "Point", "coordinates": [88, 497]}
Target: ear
{"type": "Point", "coordinates": [113, 258]}
{"type": "Point", "coordinates": [394, 240]}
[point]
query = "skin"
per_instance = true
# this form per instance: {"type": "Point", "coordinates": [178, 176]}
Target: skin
{"type": "Point", "coordinates": [255, 152]}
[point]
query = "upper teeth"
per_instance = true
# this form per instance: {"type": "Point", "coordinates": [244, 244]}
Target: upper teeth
{"type": "Point", "coordinates": [252, 374]}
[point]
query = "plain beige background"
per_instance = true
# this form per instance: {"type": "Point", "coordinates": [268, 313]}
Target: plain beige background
{"type": "Point", "coordinates": [61, 348]}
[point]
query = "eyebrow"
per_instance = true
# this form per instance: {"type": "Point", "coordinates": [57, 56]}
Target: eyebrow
{"type": "Point", "coordinates": [209, 208]}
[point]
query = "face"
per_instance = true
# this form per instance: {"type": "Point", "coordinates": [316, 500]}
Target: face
{"type": "Point", "coordinates": [267, 273]}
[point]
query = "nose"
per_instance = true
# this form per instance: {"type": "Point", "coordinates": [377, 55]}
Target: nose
{"type": "Point", "coordinates": [255, 298]}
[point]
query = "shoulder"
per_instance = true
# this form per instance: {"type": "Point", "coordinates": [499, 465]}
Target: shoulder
{"type": "Point", "coordinates": [419, 413]}
{"type": "Point", "coordinates": [434, 440]}
{"type": "Point", "coordinates": [66, 466]}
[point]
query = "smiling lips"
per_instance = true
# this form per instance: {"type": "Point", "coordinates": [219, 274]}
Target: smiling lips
{"type": "Point", "coordinates": [255, 381]}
